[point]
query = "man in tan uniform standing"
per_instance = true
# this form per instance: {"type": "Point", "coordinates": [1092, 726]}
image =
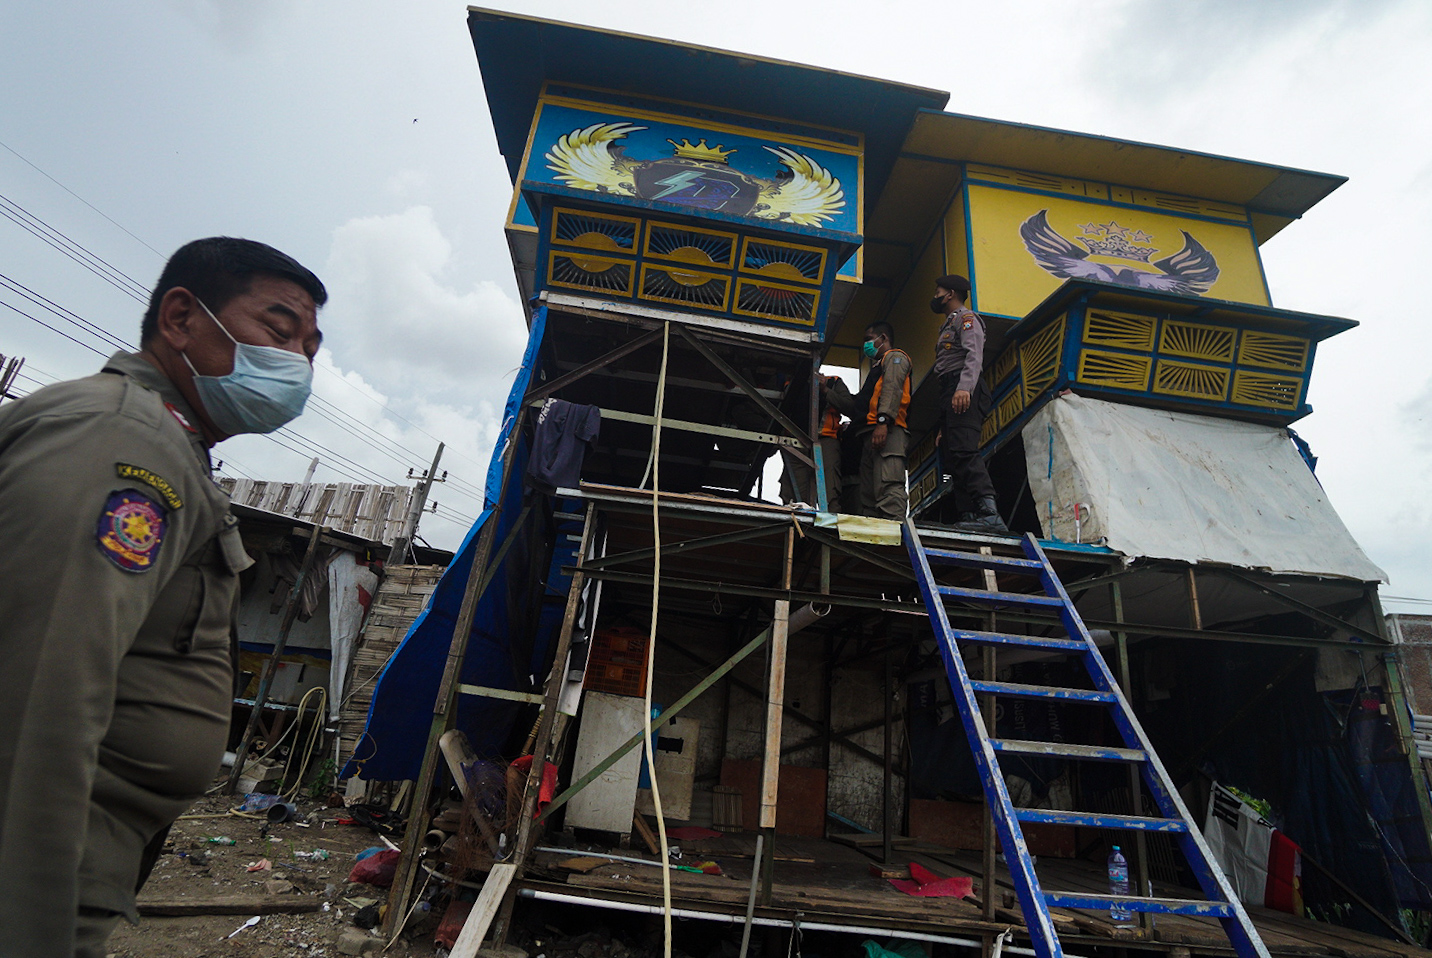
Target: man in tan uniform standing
{"type": "Point", "coordinates": [877, 415]}
{"type": "Point", "coordinates": [119, 582]}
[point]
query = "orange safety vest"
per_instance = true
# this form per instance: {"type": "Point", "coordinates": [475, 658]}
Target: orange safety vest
{"type": "Point", "coordinates": [904, 399]}
{"type": "Point", "coordinates": [830, 422]}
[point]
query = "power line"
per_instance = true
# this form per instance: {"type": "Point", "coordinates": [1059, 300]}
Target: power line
{"type": "Point", "coordinates": [82, 200]}
{"type": "Point", "coordinates": [68, 316]}
{"type": "Point", "coordinates": [52, 329]}
{"type": "Point", "coordinates": [83, 257]}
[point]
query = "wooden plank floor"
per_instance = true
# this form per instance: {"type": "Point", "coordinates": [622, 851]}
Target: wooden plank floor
{"type": "Point", "coordinates": [829, 881]}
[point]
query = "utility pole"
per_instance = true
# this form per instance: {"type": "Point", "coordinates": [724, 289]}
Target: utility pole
{"type": "Point", "coordinates": [404, 543]}
{"type": "Point", "coordinates": [7, 375]}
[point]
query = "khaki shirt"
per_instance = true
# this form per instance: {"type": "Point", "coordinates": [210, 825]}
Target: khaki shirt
{"type": "Point", "coordinates": [894, 370]}
{"type": "Point", "coordinates": [959, 349]}
{"type": "Point", "coordinates": [118, 584]}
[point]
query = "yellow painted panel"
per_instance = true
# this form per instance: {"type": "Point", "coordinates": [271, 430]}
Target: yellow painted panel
{"type": "Point", "coordinates": [1007, 363]}
{"type": "Point", "coordinates": [1065, 237]}
{"type": "Point", "coordinates": [915, 326]}
{"type": "Point", "coordinates": [1197, 341]}
{"type": "Point", "coordinates": [1187, 379]}
{"type": "Point", "coordinates": [1273, 351]}
{"type": "Point", "coordinates": [957, 247]}
{"type": "Point", "coordinates": [1264, 389]}
{"type": "Point", "coordinates": [1039, 360]}
{"type": "Point", "coordinates": [1009, 407]}
{"type": "Point", "coordinates": [1114, 370]}
{"type": "Point", "coordinates": [1104, 327]}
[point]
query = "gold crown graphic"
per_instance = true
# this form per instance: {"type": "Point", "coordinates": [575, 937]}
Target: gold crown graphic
{"type": "Point", "coordinates": [1118, 241]}
{"type": "Point", "coordinates": [700, 151]}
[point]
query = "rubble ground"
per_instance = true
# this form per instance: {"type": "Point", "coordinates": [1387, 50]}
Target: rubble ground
{"type": "Point", "coordinates": [192, 870]}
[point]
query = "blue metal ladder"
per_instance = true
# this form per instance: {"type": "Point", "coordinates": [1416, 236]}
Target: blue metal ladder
{"type": "Point", "coordinates": [1034, 901]}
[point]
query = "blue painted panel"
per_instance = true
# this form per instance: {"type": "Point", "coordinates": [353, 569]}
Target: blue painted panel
{"type": "Point", "coordinates": [695, 168]}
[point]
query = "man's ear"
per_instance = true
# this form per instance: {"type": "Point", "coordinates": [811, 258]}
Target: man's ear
{"type": "Point", "coordinates": [179, 312]}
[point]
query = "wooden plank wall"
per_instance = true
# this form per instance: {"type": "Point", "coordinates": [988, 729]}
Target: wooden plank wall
{"type": "Point", "coordinates": [373, 512]}
{"type": "Point", "coordinates": [402, 594]}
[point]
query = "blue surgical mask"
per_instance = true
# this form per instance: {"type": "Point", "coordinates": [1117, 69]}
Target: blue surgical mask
{"type": "Point", "coordinates": [868, 348]}
{"type": "Point", "coordinates": [267, 389]}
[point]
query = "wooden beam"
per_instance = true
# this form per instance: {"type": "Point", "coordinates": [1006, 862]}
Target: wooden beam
{"type": "Point", "coordinates": [775, 701]}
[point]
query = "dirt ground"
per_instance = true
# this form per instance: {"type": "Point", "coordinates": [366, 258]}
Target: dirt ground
{"type": "Point", "coordinates": [194, 871]}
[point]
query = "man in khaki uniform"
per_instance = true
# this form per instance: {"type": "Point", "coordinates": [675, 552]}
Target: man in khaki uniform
{"type": "Point", "coordinates": [118, 586]}
{"type": "Point", "coordinates": [877, 415]}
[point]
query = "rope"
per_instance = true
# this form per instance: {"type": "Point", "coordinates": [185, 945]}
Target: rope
{"type": "Point", "coordinates": [654, 464]}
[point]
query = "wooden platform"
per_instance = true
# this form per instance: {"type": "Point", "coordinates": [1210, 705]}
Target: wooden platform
{"type": "Point", "coordinates": [827, 881]}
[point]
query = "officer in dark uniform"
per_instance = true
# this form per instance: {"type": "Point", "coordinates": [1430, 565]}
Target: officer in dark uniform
{"type": "Point", "coordinates": [965, 400]}
{"type": "Point", "coordinates": [120, 583]}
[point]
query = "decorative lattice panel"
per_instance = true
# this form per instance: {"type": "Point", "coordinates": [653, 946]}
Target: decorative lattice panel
{"type": "Point", "coordinates": [1006, 364]}
{"type": "Point", "coordinates": [1188, 379]}
{"type": "Point", "coordinates": [775, 301]}
{"type": "Point", "coordinates": [988, 430]}
{"type": "Point", "coordinates": [1009, 407]}
{"type": "Point", "coordinates": [1197, 341]}
{"type": "Point", "coordinates": [1039, 361]}
{"type": "Point", "coordinates": [1264, 389]}
{"type": "Point", "coordinates": [1114, 370]}
{"type": "Point", "coordinates": [594, 231]}
{"type": "Point", "coordinates": [1119, 330]}
{"type": "Point", "coordinates": [1273, 351]}
{"type": "Point", "coordinates": [689, 244]}
{"type": "Point", "coordinates": [783, 260]}
{"type": "Point", "coordinates": [599, 273]}
{"type": "Point", "coordinates": [924, 486]}
{"type": "Point", "coordinates": [689, 287]}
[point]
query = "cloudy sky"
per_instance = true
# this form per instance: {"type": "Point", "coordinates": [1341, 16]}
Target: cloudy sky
{"type": "Point", "coordinates": [355, 136]}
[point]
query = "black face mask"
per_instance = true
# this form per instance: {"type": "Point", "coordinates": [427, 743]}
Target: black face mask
{"type": "Point", "coordinates": [937, 305]}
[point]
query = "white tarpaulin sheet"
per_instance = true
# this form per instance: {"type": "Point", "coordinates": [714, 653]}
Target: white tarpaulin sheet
{"type": "Point", "coordinates": [1183, 486]}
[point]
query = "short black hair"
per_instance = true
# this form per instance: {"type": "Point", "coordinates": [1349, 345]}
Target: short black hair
{"type": "Point", "coordinates": [882, 328]}
{"type": "Point", "coordinates": [221, 267]}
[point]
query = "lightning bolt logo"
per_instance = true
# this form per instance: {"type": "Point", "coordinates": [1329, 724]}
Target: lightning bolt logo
{"type": "Point", "coordinates": [677, 182]}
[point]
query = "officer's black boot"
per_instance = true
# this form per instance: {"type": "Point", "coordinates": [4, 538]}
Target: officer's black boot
{"type": "Point", "coordinates": [985, 518]}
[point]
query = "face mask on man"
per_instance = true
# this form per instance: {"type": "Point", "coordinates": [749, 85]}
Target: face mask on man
{"type": "Point", "coordinates": [868, 348]}
{"type": "Point", "coordinates": [267, 389]}
{"type": "Point", "coordinates": [937, 305]}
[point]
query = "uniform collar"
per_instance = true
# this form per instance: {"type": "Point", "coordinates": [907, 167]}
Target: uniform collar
{"type": "Point", "coordinates": [146, 374]}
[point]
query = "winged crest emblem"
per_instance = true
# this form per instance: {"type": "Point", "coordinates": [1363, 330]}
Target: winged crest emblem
{"type": "Point", "coordinates": [1191, 271]}
{"type": "Point", "coordinates": [696, 175]}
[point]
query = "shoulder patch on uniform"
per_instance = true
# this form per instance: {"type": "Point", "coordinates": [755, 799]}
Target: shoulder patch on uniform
{"type": "Point", "coordinates": [131, 529]}
{"type": "Point", "coordinates": [161, 485]}
{"type": "Point", "coordinates": [969, 323]}
{"type": "Point", "coordinates": [179, 416]}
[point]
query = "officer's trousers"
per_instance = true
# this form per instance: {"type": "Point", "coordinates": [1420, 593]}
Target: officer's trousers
{"type": "Point", "coordinates": [882, 479]}
{"type": "Point", "coordinates": [962, 460]}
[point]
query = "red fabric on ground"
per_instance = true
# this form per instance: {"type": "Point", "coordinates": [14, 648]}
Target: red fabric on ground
{"type": "Point", "coordinates": [376, 869]}
{"type": "Point", "coordinates": [924, 883]}
{"type": "Point", "coordinates": [691, 833]}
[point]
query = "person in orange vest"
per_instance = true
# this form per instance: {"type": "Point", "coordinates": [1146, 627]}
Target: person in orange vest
{"type": "Point", "coordinates": [798, 480]}
{"type": "Point", "coordinates": [877, 414]}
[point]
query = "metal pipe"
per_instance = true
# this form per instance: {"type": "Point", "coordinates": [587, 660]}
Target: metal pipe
{"type": "Point", "coordinates": [768, 922]}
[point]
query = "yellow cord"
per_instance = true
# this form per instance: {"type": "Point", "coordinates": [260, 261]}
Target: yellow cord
{"type": "Point", "coordinates": [655, 463]}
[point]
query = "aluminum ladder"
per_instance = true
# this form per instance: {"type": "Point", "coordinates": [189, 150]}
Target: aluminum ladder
{"type": "Point", "coordinates": [1034, 901]}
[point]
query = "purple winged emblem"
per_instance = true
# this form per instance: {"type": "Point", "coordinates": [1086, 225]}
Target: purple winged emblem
{"type": "Point", "coordinates": [1190, 271]}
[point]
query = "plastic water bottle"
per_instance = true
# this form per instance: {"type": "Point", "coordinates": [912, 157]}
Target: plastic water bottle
{"type": "Point", "coordinates": [1119, 885]}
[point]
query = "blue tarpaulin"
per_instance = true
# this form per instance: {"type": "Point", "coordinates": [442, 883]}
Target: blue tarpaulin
{"type": "Point", "coordinates": [400, 718]}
